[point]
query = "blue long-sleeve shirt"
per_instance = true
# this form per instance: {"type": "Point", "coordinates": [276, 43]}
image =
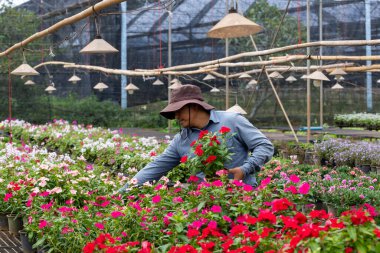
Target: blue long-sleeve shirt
{"type": "Point", "coordinates": [250, 148]}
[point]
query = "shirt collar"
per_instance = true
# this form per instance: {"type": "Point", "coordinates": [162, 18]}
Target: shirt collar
{"type": "Point", "coordinates": [213, 118]}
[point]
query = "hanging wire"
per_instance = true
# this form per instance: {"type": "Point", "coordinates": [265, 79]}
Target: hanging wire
{"type": "Point", "coordinates": [9, 99]}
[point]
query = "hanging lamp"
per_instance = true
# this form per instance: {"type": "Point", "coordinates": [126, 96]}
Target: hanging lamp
{"type": "Point", "coordinates": [74, 79]}
{"type": "Point", "coordinates": [175, 85]}
{"type": "Point", "coordinates": [98, 45]}
{"type": "Point", "coordinates": [275, 75]}
{"type": "Point", "coordinates": [100, 86]}
{"type": "Point", "coordinates": [131, 88]}
{"type": "Point", "coordinates": [303, 77]}
{"type": "Point", "coordinates": [244, 76]}
{"type": "Point", "coordinates": [337, 86]}
{"type": "Point", "coordinates": [233, 25]}
{"type": "Point", "coordinates": [50, 88]}
{"type": "Point", "coordinates": [317, 77]}
{"type": "Point", "coordinates": [208, 77]}
{"type": "Point", "coordinates": [252, 82]}
{"type": "Point", "coordinates": [30, 82]}
{"type": "Point", "coordinates": [24, 69]}
{"type": "Point", "coordinates": [338, 72]}
{"type": "Point", "coordinates": [214, 90]}
{"type": "Point", "coordinates": [158, 82]}
{"type": "Point", "coordinates": [236, 108]}
{"type": "Point", "coordinates": [291, 79]}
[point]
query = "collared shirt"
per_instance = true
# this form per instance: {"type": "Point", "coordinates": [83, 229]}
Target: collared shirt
{"type": "Point", "coordinates": [250, 148]}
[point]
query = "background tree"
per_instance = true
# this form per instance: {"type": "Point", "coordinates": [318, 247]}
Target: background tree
{"type": "Point", "coordinates": [269, 17]}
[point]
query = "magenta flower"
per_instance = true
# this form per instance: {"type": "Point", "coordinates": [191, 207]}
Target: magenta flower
{"type": "Point", "coordinates": [116, 214]}
{"type": "Point", "coordinates": [294, 179]}
{"type": "Point", "coordinates": [248, 188]}
{"type": "Point", "coordinates": [304, 189]}
{"type": "Point", "coordinates": [99, 225]}
{"type": "Point", "coordinates": [216, 209]}
{"type": "Point", "coordinates": [156, 199]}
{"type": "Point", "coordinates": [7, 197]}
{"type": "Point", "coordinates": [43, 223]}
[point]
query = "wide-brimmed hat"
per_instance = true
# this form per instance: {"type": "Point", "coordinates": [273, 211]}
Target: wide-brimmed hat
{"type": "Point", "coordinates": [186, 94]}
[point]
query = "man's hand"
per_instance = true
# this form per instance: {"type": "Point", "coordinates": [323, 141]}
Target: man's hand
{"type": "Point", "coordinates": [237, 172]}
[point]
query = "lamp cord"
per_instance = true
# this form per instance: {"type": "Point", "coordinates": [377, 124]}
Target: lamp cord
{"type": "Point", "coordinates": [9, 99]}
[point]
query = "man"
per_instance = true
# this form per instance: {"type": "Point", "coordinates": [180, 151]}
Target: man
{"type": "Point", "coordinates": [193, 114]}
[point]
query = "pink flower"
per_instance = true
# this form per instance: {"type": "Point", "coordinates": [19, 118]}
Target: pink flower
{"type": "Point", "coordinates": [217, 183]}
{"type": "Point", "coordinates": [116, 214]}
{"type": "Point", "coordinates": [216, 209]}
{"type": "Point", "coordinates": [294, 179]}
{"type": "Point", "coordinates": [193, 178]}
{"type": "Point", "coordinates": [7, 197]}
{"type": "Point", "coordinates": [156, 199]}
{"type": "Point", "coordinates": [304, 189]}
{"type": "Point", "coordinates": [43, 223]}
{"type": "Point", "coordinates": [226, 218]}
{"type": "Point", "coordinates": [264, 183]}
{"type": "Point", "coordinates": [212, 224]}
{"type": "Point", "coordinates": [99, 225]}
{"type": "Point", "coordinates": [291, 189]}
{"type": "Point", "coordinates": [177, 200]}
{"type": "Point", "coordinates": [247, 188]}
{"type": "Point", "coordinates": [124, 234]}
{"type": "Point", "coordinates": [221, 172]}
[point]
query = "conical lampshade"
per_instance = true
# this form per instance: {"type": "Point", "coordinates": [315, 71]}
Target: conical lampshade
{"type": "Point", "coordinates": [252, 82]}
{"type": "Point", "coordinates": [214, 90]}
{"type": "Point", "coordinates": [208, 77]}
{"type": "Point", "coordinates": [74, 79]}
{"type": "Point", "coordinates": [175, 85]}
{"type": "Point", "coordinates": [30, 82]}
{"type": "Point", "coordinates": [275, 75]}
{"type": "Point", "coordinates": [50, 89]}
{"type": "Point", "coordinates": [337, 86]}
{"type": "Point", "coordinates": [158, 82]}
{"type": "Point", "coordinates": [233, 25]}
{"type": "Point", "coordinates": [100, 86]}
{"type": "Point", "coordinates": [303, 77]}
{"type": "Point", "coordinates": [24, 70]}
{"type": "Point", "coordinates": [236, 108]}
{"type": "Point", "coordinates": [98, 46]}
{"type": "Point", "coordinates": [291, 79]}
{"type": "Point", "coordinates": [244, 76]}
{"type": "Point", "coordinates": [318, 75]}
{"type": "Point", "coordinates": [131, 88]}
{"type": "Point", "coordinates": [338, 72]}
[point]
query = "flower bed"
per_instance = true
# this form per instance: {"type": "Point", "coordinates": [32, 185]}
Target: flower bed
{"type": "Point", "coordinates": [366, 120]}
{"type": "Point", "coordinates": [70, 203]}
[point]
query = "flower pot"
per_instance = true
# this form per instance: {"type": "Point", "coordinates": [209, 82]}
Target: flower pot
{"type": "Point", "coordinates": [15, 224]}
{"type": "Point", "coordinates": [25, 243]}
{"type": "Point", "coordinates": [3, 222]}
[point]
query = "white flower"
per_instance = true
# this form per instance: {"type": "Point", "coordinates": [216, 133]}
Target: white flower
{"type": "Point", "coordinates": [73, 191]}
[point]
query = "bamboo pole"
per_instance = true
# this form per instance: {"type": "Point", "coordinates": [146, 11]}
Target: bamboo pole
{"type": "Point", "coordinates": [275, 50]}
{"type": "Point", "coordinates": [137, 73]}
{"type": "Point", "coordinates": [329, 67]}
{"type": "Point", "coordinates": [53, 63]}
{"type": "Point", "coordinates": [67, 21]}
{"type": "Point", "coordinates": [283, 59]}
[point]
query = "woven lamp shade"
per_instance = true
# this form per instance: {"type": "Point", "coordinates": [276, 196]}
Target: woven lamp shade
{"type": "Point", "coordinates": [236, 108]}
{"type": "Point", "coordinates": [214, 90]}
{"type": "Point", "coordinates": [244, 76]}
{"type": "Point", "coordinates": [338, 72]}
{"type": "Point", "coordinates": [158, 82]}
{"type": "Point", "coordinates": [337, 86]}
{"type": "Point", "coordinates": [131, 88]}
{"type": "Point", "coordinates": [24, 70]}
{"type": "Point", "coordinates": [74, 79]}
{"type": "Point", "coordinates": [291, 79]}
{"type": "Point", "coordinates": [100, 86]}
{"type": "Point", "coordinates": [317, 75]}
{"type": "Point", "coordinates": [208, 77]}
{"type": "Point", "coordinates": [30, 82]}
{"type": "Point", "coordinates": [98, 46]}
{"type": "Point", "coordinates": [275, 75]}
{"type": "Point", "coordinates": [233, 25]}
{"type": "Point", "coordinates": [50, 89]}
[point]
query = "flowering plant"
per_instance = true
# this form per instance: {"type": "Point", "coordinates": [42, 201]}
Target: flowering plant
{"type": "Point", "coordinates": [209, 152]}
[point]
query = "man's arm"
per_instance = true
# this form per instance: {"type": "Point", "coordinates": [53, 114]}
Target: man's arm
{"type": "Point", "coordinates": [261, 148]}
{"type": "Point", "coordinates": [160, 166]}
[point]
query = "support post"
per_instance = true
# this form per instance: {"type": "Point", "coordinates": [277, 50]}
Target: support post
{"type": "Point", "coordinates": [368, 36]}
{"type": "Point", "coordinates": [308, 93]}
{"type": "Point", "coordinates": [123, 57]}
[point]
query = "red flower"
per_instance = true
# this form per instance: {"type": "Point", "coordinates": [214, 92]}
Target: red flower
{"type": "Point", "coordinates": [193, 143]}
{"type": "Point", "coordinates": [198, 150]}
{"type": "Point", "coordinates": [192, 232]}
{"type": "Point", "coordinates": [224, 130]}
{"type": "Point", "coordinates": [202, 134]}
{"type": "Point", "coordinates": [184, 159]}
{"type": "Point", "coordinates": [266, 215]}
{"type": "Point", "coordinates": [377, 232]}
{"type": "Point", "coordinates": [193, 178]}
{"type": "Point", "coordinates": [348, 250]}
{"type": "Point", "coordinates": [281, 204]}
{"type": "Point", "coordinates": [210, 159]}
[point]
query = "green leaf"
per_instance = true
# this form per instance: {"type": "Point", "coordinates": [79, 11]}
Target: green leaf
{"type": "Point", "coordinates": [201, 205]}
{"type": "Point", "coordinates": [352, 232]}
{"type": "Point", "coordinates": [179, 227]}
{"type": "Point", "coordinates": [361, 248]}
{"type": "Point", "coordinates": [39, 242]}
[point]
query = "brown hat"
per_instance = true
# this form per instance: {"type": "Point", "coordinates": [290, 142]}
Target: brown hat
{"type": "Point", "coordinates": [186, 94]}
